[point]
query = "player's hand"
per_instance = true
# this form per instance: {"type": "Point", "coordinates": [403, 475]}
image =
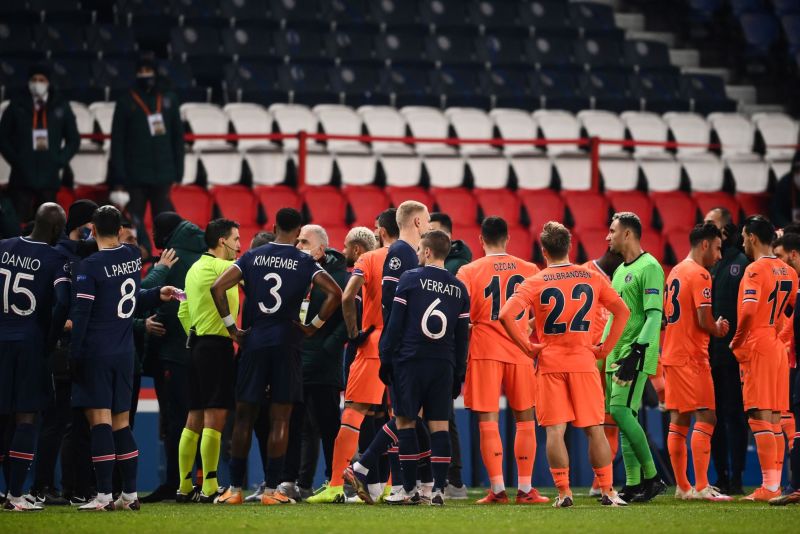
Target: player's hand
{"type": "Point", "coordinates": [168, 258]}
{"type": "Point", "coordinates": [597, 350]}
{"type": "Point", "coordinates": [385, 373]}
{"type": "Point", "coordinates": [307, 329]}
{"type": "Point", "coordinates": [533, 350]}
{"type": "Point", "coordinates": [626, 367]}
{"type": "Point", "coordinates": [458, 381]}
{"type": "Point", "coordinates": [68, 325]}
{"type": "Point", "coordinates": [169, 293]}
{"type": "Point", "coordinates": [153, 327]}
{"type": "Point", "coordinates": [723, 326]}
{"type": "Point", "coordinates": [361, 337]}
{"type": "Point", "coordinates": [237, 334]}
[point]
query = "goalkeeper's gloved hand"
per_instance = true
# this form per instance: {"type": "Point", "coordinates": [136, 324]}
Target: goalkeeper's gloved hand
{"type": "Point", "coordinates": [457, 382]}
{"type": "Point", "coordinates": [385, 373]}
{"type": "Point", "coordinates": [362, 336]}
{"type": "Point", "coordinates": [626, 367]}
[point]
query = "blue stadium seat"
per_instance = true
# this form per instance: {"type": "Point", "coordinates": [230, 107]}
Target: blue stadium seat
{"type": "Point", "coordinates": [17, 40]}
{"type": "Point", "coordinates": [73, 77]}
{"type": "Point", "coordinates": [307, 83]}
{"type": "Point", "coordinates": [111, 40]}
{"type": "Point", "coordinates": [362, 85]}
{"type": "Point", "coordinates": [153, 31]}
{"type": "Point", "coordinates": [660, 90]}
{"type": "Point", "coordinates": [786, 7]}
{"type": "Point", "coordinates": [395, 12]}
{"type": "Point", "coordinates": [116, 74]}
{"type": "Point", "coordinates": [761, 32]}
{"type": "Point", "coordinates": [559, 89]}
{"type": "Point", "coordinates": [610, 91]}
{"type": "Point", "coordinates": [509, 87]}
{"type": "Point", "coordinates": [13, 76]}
{"type": "Point", "coordinates": [494, 13]}
{"type": "Point", "coordinates": [592, 17]}
{"type": "Point", "coordinates": [351, 46]}
{"type": "Point", "coordinates": [791, 27]}
{"type": "Point", "coordinates": [16, 13]}
{"type": "Point", "coordinates": [705, 10]}
{"type": "Point", "coordinates": [305, 45]}
{"type": "Point", "coordinates": [739, 7]}
{"type": "Point", "coordinates": [600, 52]}
{"type": "Point", "coordinates": [347, 12]}
{"type": "Point", "coordinates": [181, 80]}
{"type": "Point", "coordinates": [443, 12]}
{"type": "Point", "coordinates": [545, 15]}
{"type": "Point", "coordinates": [61, 39]}
{"type": "Point", "coordinates": [296, 10]}
{"type": "Point", "coordinates": [453, 48]}
{"type": "Point", "coordinates": [501, 48]}
{"type": "Point", "coordinates": [551, 51]}
{"type": "Point", "coordinates": [57, 11]}
{"type": "Point", "coordinates": [143, 7]}
{"type": "Point", "coordinates": [205, 12]}
{"type": "Point", "coordinates": [461, 87]}
{"type": "Point", "coordinates": [401, 45]}
{"type": "Point", "coordinates": [248, 41]}
{"type": "Point", "coordinates": [245, 10]}
{"type": "Point", "coordinates": [410, 86]}
{"type": "Point", "coordinates": [647, 54]}
{"type": "Point", "coordinates": [196, 40]}
{"type": "Point", "coordinates": [708, 93]}
{"type": "Point", "coordinates": [253, 81]}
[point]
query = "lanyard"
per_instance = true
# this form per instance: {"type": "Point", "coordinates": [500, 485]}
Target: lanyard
{"type": "Point", "coordinates": [36, 117]}
{"type": "Point", "coordinates": [144, 107]}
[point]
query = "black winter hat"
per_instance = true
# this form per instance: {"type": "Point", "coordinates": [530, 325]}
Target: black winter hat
{"type": "Point", "coordinates": [80, 213]}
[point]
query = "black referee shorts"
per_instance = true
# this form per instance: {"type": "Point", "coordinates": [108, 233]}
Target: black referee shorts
{"type": "Point", "coordinates": [212, 373]}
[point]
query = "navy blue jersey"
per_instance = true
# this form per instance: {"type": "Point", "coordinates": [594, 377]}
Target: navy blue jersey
{"type": "Point", "coordinates": [276, 280]}
{"type": "Point", "coordinates": [400, 257]}
{"type": "Point", "coordinates": [106, 293]}
{"type": "Point", "coordinates": [429, 319]}
{"type": "Point", "coordinates": [30, 274]}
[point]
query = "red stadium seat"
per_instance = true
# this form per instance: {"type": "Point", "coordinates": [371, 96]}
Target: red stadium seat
{"type": "Point", "coordinates": [753, 203]}
{"type": "Point", "coordinates": [520, 243]}
{"type": "Point", "coordinates": [589, 210]}
{"type": "Point", "coordinates": [678, 241]}
{"type": "Point", "coordinates": [458, 203]}
{"type": "Point", "coordinates": [708, 201]}
{"type": "Point", "coordinates": [193, 203]}
{"type": "Point", "coordinates": [275, 197]}
{"type": "Point", "coordinates": [468, 233]}
{"type": "Point", "coordinates": [98, 193]}
{"type": "Point", "coordinates": [336, 235]}
{"type": "Point", "coordinates": [593, 241]}
{"type": "Point", "coordinates": [499, 202]}
{"type": "Point", "coordinates": [237, 202]}
{"type": "Point", "coordinates": [65, 197]}
{"type": "Point", "coordinates": [542, 205]}
{"type": "Point", "coordinates": [677, 210]}
{"type": "Point", "coordinates": [398, 195]}
{"type": "Point", "coordinates": [366, 203]}
{"type": "Point", "coordinates": [246, 234]}
{"type": "Point", "coordinates": [326, 205]}
{"type": "Point", "coordinates": [653, 243]}
{"type": "Point", "coordinates": [635, 201]}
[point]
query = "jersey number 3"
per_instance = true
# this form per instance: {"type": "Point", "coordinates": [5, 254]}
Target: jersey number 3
{"type": "Point", "coordinates": [579, 323]}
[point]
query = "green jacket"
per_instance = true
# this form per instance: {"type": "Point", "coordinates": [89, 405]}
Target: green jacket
{"type": "Point", "coordinates": [459, 256]}
{"type": "Point", "coordinates": [29, 167]}
{"type": "Point", "coordinates": [138, 158]}
{"type": "Point", "coordinates": [727, 275]}
{"type": "Point", "coordinates": [155, 277]}
{"type": "Point", "coordinates": [189, 243]}
{"type": "Point", "coordinates": [322, 353]}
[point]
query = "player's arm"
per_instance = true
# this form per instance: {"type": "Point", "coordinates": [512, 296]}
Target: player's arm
{"type": "Point", "coordinates": [389, 283]}
{"type": "Point", "coordinates": [228, 279]}
{"type": "Point", "coordinates": [705, 318]}
{"type": "Point", "coordinates": [148, 299]}
{"type": "Point", "coordinates": [61, 294]}
{"type": "Point", "coordinates": [81, 310]}
{"type": "Point", "coordinates": [461, 347]}
{"type": "Point", "coordinates": [513, 307]}
{"type": "Point", "coordinates": [616, 306]}
{"type": "Point", "coordinates": [183, 316]}
{"type": "Point", "coordinates": [750, 291]}
{"type": "Point", "coordinates": [392, 334]}
{"type": "Point", "coordinates": [333, 299]}
{"type": "Point", "coordinates": [349, 311]}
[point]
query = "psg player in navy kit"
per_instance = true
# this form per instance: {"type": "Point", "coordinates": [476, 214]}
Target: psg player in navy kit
{"type": "Point", "coordinates": [34, 279]}
{"type": "Point", "coordinates": [276, 279]}
{"type": "Point", "coordinates": [107, 294]}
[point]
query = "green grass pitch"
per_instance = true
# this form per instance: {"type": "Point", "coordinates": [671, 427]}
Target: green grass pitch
{"type": "Point", "coordinates": [665, 514]}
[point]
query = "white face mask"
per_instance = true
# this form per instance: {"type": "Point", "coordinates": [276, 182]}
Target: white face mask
{"type": "Point", "coordinates": [38, 89]}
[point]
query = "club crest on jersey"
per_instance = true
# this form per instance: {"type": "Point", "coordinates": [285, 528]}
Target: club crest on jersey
{"type": "Point", "coordinates": [736, 269]}
{"type": "Point", "coordinates": [707, 292]}
{"type": "Point", "coordinates": [394, 263]}
{"type": "Point", "coordinates": [628, 278]}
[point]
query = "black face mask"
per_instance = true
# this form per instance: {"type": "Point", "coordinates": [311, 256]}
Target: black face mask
{"type": "Point", "coordinates": [146, 83]}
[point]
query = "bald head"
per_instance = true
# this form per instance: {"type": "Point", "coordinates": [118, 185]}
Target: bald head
{"type": "Point", "coordinates": [49, 224]}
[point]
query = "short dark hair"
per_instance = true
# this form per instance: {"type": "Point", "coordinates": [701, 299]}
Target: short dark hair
{"type": "Point", "coordinates": [788, 242]}
{"type": "Point", "coordinates": [792, 228]}
{"type": "Point", "coordinates": [387, 219]}
{"type": "Point", "coordinates": [759, 226]}
{"type": "Point", "coordinates": [261, 239]}
{"type": "Point", "coordinates": [107, 221]}
{"type": "Point", "coordinates": [629, 220]}
{"type": "Point", "coordinates": [494, 230]}
{"type": "Point", "coordinates": [288, 219]}
{"type": "Point", "coordinates": [555, 239]}
{"type": "Point", "coordinates": [703, 232]}
{"type": "Point", "coordinates": [219, 228]}
{"type": "Point", "coordinates": [443, 219]}
{"type": "Point", "coordinates": [438, 242]}
{"type": "Point", "coordinates": [724, 213]}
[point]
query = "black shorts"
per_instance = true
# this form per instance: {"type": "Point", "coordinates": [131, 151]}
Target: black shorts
{"type": "Point", "coordinates": [212, 373]}
{"type": "Point", "coordinates": [278, 367]}
{"type": "Point", "coordinates": [104, 382]}
{"type": "Point", "coordinates": [423, 383]}
{"type": "Point", "coordinates": [26, 383]}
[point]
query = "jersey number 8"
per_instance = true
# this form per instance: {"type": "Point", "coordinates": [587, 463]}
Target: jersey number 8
{"type": "Point", "coordinates": [128, 291]}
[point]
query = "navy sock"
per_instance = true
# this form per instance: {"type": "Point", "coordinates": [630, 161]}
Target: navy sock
{"type": "Point", "coordinates": [424, 440]}
{"type": "Point", "coordinates": [127, 458]}
{"type": "Point", "coordinates": [273, 471]}
{"type": "Point", "coordinates": [103, 456]}
{"type": "Point", "coordinates": [20, 457]}
{"type": "Point", "coordinates": [440, 458]}
{"type": "Point", "coordinates": [409, 455]}
{"type": "Point", "coordinates": [237, 467]}
{"type": "Point", "coordinates": [366, 434]}
{"type": "Point", "coordinates": [380, 444]}
{"type": "Point", "coordinates": [383, 466]}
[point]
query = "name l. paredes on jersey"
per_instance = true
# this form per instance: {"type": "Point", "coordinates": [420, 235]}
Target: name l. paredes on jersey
{"type": "Point", "coordinates": [20, 262]}
{"type": "Point", "coordinates": [440, 287]}
{"type": "Point", "coordinates": [121, 269]}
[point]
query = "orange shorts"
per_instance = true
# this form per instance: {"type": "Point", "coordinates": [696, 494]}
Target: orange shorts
{"type": "Point", "coordinates": [782, 388]}
{"type": "Point", "coordinates": [487, 379]}
{"type": "Point", "coordinates": [688, 387]}
{"type": "Point", "coordinates": [363, 384]}
{"type": "Point", "coordinates": [575, 398]}
{"type": "Point", "coordinates": [760, 378]}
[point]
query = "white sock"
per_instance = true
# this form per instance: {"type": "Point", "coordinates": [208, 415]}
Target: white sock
{"type": "Point", "coordinates": [358, 468]}
{"type": "Point", "coordinates": [104, 497]}
{"type": "Point", "coordinates": [234, 489]}
{"type": "Point", "coordinates": [524, 488]}
{"type": "Point", "coordinates": [497, 488]}
{"type": "Point", "coordinates": [374, 489]}
{"type": "Point", "coordinates": [130, 497]}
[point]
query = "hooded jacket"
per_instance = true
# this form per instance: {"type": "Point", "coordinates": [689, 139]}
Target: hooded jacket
{"type": "Point", "coordinates": [727, 275]}
{"type": "Point", "coordinates": [460, 255]}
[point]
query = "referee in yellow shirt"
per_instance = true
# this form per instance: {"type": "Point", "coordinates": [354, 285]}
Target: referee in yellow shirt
{"type": "Point", "coordinates": [212, 372]}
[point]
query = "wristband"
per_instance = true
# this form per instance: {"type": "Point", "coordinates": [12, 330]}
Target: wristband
{"type": "Point", "coordinates": [316, 322]}
{"type": "Point", "coordinates": [228, 321]}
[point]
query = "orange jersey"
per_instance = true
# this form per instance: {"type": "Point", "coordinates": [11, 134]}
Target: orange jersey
{"type": "Point", "coordinates": [599, 324]}
{"type": "Point", "coordinates": [566, 300]}
{"type": "Point", "coordinates": [768, 287]}
{"type": "Point", "coordinates": [490, 281]}
{"type": "Point", "coordinates": [369, 266]}
{"type": "Point", "coordinates": [688, 289]}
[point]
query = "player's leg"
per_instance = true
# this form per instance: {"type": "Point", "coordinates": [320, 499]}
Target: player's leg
{"type": "Point", "coordinates": [243, 420]}
{"type": "Point", "coordinates": [679, 385]}
{"type": "Point", "coordinates": [436, 403]}
{"type": "Point", "coordinates": [760, 422]}
{"type": "Point", "coordinates": [424, 463]}
{"type": "Point", "coordinates": [482, 388]}
{"type": "Point", "coordinates": [440, 457]}
{"type": "Point", "coordinates": [187, 451]}
{"type": "Point", "coordinates": [519, 382]}
{"type": "Point", "coordinates": [127, 459]}
{"type": "Point", "coordinates": [210, 445]}
{"type": "Point", "coordinates": [705, 423]}
{"type": "Point", "coordinates": [103, 456]}
{"type": "Point", "coordinates": [558, 459]}
{"type": "Point", "coordinates": [21, 451]}
{"type": "Point", "coordinates": [409, 451]}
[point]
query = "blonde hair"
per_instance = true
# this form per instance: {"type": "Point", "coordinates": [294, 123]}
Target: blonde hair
{"type": "Point", "coordinates": [362, 236]}
{"type": "Point", "coordinates": [407, 210]}
{"type": "Point", "coordinates": [555, 239]}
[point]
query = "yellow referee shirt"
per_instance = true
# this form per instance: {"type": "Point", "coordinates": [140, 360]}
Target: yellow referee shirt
{"type": "Point", "coordinates": [198, 310]}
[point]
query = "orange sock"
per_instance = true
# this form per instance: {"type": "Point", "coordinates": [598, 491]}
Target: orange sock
{"type": "Point", "coordinates": [492, 454]}
{"type": "Point", "coordinates": [765, 447]}
{"type": "Point", "coordinates": [611, 430]}
{"type": "Point", "coordinates": [604, 476]}
{"type": "Point", "coordinates": [525, 451]}
{"type": "Point", "coordinates": [678, 454]}
{"type": "Point", "coordinates": [701, 453]}
{"type": "Point", "coordinates": [789, 427]}
{"type": "Point", "coordinates": [561, 479]}
{"type": "Point", "coordinates": [346, 444]}
{"type": "Point", "coordinates": [780, 451]}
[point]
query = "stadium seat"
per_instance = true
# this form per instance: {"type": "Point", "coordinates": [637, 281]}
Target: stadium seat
{"type": "Point", "coordinates": [645, 126]}
{"type": "Point", "coordinates": [444, 170]}
{"type": "Point", "coordinates": [592, 241]}
{"type": "Point", "coordinates": [509, 87]}
{"type": "Point", "coordinates": [678, 241]}
{"type": "Point", "coordinates": [89, 167]}
{"type": "Point", "coordinates": [305, 45]}
{"type": "Point", "coordinates": [398, 195]}
{"type": "Point", "coordinates": [196, 41]}
{"type": "Point", "coordinates": [356, 169]}
{"type": "Point", "coordinates": [735, 133]}
{"type": "Point", "coordinates": [551, 51]}
{"type": "Point", "coordinates": [489, 172]}
{"type": "Point", "coordinates": [360, 85]}
{"type": "Point", "coordinates": [366, 203]}
{"type": "Point", "coordinates": [248, 41]}
{"type": "Point", "coordinates": [753, 204]}
{"type": "Point", "coordinates": [515, 124]}
{"type": "Point", "coordinates": [401, 170]}
{"type": "Point", "coordinates": [496, 14]}
{"type": "Point", "coordinates": [559, 89]}
{"type": "Point", "coordinates": [520, 243]}
{"type": "Point", "coordinates": [245, 10]}
{"type": "Point", "coordinates": [296, 11]}
{"type": "Point", "coordinates": [606, 125]}
{"type": "Point", "coordinates": [609, 90]}
{"type": "Point", "coordinates": [247, 233]}
{"type": "Point", "coordinates": [307, 83]}
{"type": "Point", "coordinates": [64, 39]}
{"type": "Point", "coordinates": [460, 85]}
{"type": "Point", "coordinates": [410, 86]}
{"type": "Point", "coordinates": [659, 91]}
{"type": "Point", "coordinates": [689, 128]}
{"type": "Point", "coordinates": [293, 118]}
{"type": "Point", "coordinates": [600, 53]}
{"type": "Point", "coordinates": [504, 48]}
{"type": "Point", "coordinates": [402, 45]}
{"type": "Point", "coordinates": [451, 48]}
{"type": "Point", "coordinates": [206, 119]}
{"type": "Point", "coordinates": [97, 193]}
{"type": "Point", "coordinates": [388, 122]}
{"type": "Point", "coordinates": [352, 45]}
{"type": "Point", "coordinates": [428, 122]}
{"type": "Point", "coordinates": [791, 29]}
{"type": "Point", "coordinates": [85, 122]}
{"type": "Point", "coordinates": [254, 81]}
{"type": "Point", "coordinates": [273, 198]}
{"type": "Point", "coordinates": [398, 12]}
{"type": "Point", "coordinates": [619, 173]}
{"type": "Point", "coordinates": [589, 210]}
{"type": "Point", "coordinates": [499, 202]}
{"type": "Point", "coordinates": [653, 243]}
{"type": "Point", "coordinates": [556, 124]}
{"type": "Point", "coordinates": [469, 234]}
{"type": "Point", "coordinates": [352, 12]}
{"type": "Point", "coordinates": [635, 201]}
{"type": "Point", "coordinates": [237, 203]}
{"type": "Point", "coordinates": [336, 235]}
{"type": "Point", "coordinates": [776, 129]}
{"type": "Point", "coordinates": [192, 203]}
{"type": "Point", "coordinates": [542, 205]}
{"type": "Point", "coordinates": [648, 55]}
{"type": "Point", "coordinates": [706, 201]}
{"type": "Point", "coordinates": [250, 119]}
{"type": "Point", "coordinates": [591, 16]}
{"type": "Point", "coordinates": [761, 32]}
{"type": "Point", "coordinates": [110, 39]}
{"type": "Point", "coordinates": [663, 174]}
{"type": "Point", "coordinates": [546, 15]}
{"type": "Point", "coordinates": [574, 172]}
{"type": "Point", "coordinates": [459, 203]}
{"type": "Point", "coordinates": [472, 123]}
{"type": "Point", "coordinates": [750, 176]}
{"type": "Point", "coordinates": [443, 12]}
{"type": "Point", "coordinates": [337, 119]}
{"type": "Point", "coordinates": [677, 211]}
{"type": "Point", "coordinates": [16, 40]}
{"type": "Point", "coordinates": [115, 73]}
{"type": "Point", "coordinates": [64, 197]}
{"type": "Point", "coordinates": [326, 205]}
{"type": "Point", "coordinates": [705, 172]}
{"type": "Point", "coordinates": [222, 168]}
{"type": "Point", "coordinates": [707, 93]}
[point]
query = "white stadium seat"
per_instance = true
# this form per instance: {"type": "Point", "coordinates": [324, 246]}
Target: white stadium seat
{"type": "Point", "coordinates": [206, 119]}
{"type": "Point", "coordinates": [222, 168]}
{"type": "Point", "coordinates": [444, 170]}
{"type": "Point", "coordinates": [472, 123]}
{"type": "Point", "coordinates": [735, 133]}
{"type": "Point", "coordinates": [619, 174]}
{"type": "Point", "coordinates": [268, 168]}
{"type": "Point", "coordinates": [293, 118]}
{"type": "Point", "coordinates": [104, 115]}
{"type": "Point", "coordinates": [515, 124]}
{"type": "Point", "coordinates": [319, 168]}
{"type": "Point", "coordinates": [777, 129]}
{"type": "Point", "coordinates": [489, 172]}
{"type": "Point", "coordinates": [575, 172]}
{"type": "Point", "coordinates": [428, 122]}
{"type": "Point", "coordinates": [89, 168]}
{"type": "Point", "coordinates": [689, 128]}
{"type": "Point", "coordinates": [401, 171]}
{"type": "Point", "coordinates": [750, 176]}
{"type": "Point", "coordinates": [388, 122]}
{"type": "Point", "coordinates": [603, 124]}
{"type": "Point", "coordinates": [533, 172]}
{"type": "Point", "coordinates": [85, 122]}
{"type": "Point", "coordinates": [250, 119]}
{"type": "Point", "coordinates": [556, 124]}
{"type": "Point", "coordinates": [357, 169]}
{"type": "Point", "coordinates": [706, 172]}
{"type": "Point", "coordinates": [340, 120]}
{"type": "Point", "coordinates": [190, 161]}
{"type": "Point", "coordinates": [662, 174]}
{"type": "Point", "coordinates": [646, 126]}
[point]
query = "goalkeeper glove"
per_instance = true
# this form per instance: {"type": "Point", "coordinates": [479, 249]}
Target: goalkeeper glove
{"type": "Point", "coordinates": [627, 366]}
{"type": "Point", "coordinates": [362, 336]}
{"type": "Point", "coordinates": [385, 373]}
{"type": "Point", "coordinates": [457, 381]}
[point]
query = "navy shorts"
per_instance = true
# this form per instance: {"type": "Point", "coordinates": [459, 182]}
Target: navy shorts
{"type": "Point", "coordinates": [278, 367]}
{"type": "Point", "coordinates": [26, 383]}
{"type": "Point", "coordinates": [104, 382]}
{"type": "Point", "coordinates": [423, 383]}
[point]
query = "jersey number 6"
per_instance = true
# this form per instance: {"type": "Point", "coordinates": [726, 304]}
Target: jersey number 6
{"type": "Point", "coordinates": [433, 312]}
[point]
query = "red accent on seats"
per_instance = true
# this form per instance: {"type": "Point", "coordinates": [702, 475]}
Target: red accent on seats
{"type": "Point", "coordinates": [275, 197]}
{"type": "Point", "coordinates": [653, 243]}
{"type": "Point", "coordinates": [635, 201]}
{"type": "Point", "coordinates": [542, 205]}
{"type": "Point", "coordinates": [708, 201]}
{"type": "Point", "coordinates": [589, 210]}
{"type": "Point", "coordinates": [520, 243]}
{"type": "Point", "coordinates": [193, 203]}
{"type": "Point", "coordinates": [469, 233]}
{"type": "Point", "coordinates": [753, 203]}
{"type": "Point", "coordinates": [326, 205]}
{"type": "Point", "coordinates": [98, 193]}
{"type": "Point", "coordinates": [236, 202]}
{"type": "Point", "coordinates": [336, 235]}
{"type": "Point", "coordinates": [593, 241]}
{"type": "Point", "coordinates": [65, 197]}
{"type": "Point", "coordinates": [398, 195]}
{"type": "Point", "coordinates": [458, 203]}
{"type": "Point", "coordinates": [678, 240]}
{"type": "Point", "coordinates": [678, 210]}
{"type": "Point", "coordinates": [246, 234]}
{"type": "Point", "coordinates": [366, 203]}
{"type": "Point", "coordinates": [499, 202]}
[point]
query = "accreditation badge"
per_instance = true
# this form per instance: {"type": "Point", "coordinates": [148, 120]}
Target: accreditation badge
{"type": "Point", "coordinates": [156, 123]}
{"type": "Point", "coordinates": [40, 142]}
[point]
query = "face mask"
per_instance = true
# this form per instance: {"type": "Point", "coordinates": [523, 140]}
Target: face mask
{"type": "Point", "coordinates": [304, 251]}
{"type": "Point", "coordinates": [38, 89]}
{"type": "Point", "coordinates": [146, 83]}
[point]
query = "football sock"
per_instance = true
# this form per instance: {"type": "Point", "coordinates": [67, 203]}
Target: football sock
{"type": "Point", "coordinates": [605, 477]}
{"type": "Point", "coordinates": [237, 466]}
{"type": "Point", "coordinates": [492, 454]}
{"type": "Point", "coordinates": [383, 466]}
{"type": "Point", "coordinates": [209, 453]}
{"type": "Point", "coordinates": [365, 437]}
{"type": "Point", "coordinates": [274, 470]}
{"type": "Point", "coordinates": [20, 457]}
{"type": "Point", "coordinates": [127, 457]}
{"type": "Point", "coordinates": [424, 464]}
{"type": "Point", "coordinates": [765, 448]}
{"type": "Point", "coordinates": [611, 430]}
{"type": "Point", "coordinates": [788, 426]}
{"type": "Point", "coordinates": [382, 442]}
{"type": "Point", "coordinates": [103, 456]}
{"type": "Point", "coordinates": [780, 451]}
{"type": "Point", "coordinates": [187, 450]}
{"type": "Point", "coordinates": [678, 454]}
{"type": "Point", "coordinates": [561, 480]}
{"type": "Point", "coordinates": [633, 469]}
{"type": "Point", "coordinates": [525, 451]}
{"type": "Point", "coordinates": [794, 459]}
{"type": "Point", "coordinates": [346, 444]}
{"type": "Point", "coordinates": [409, 453]}
{"type": "Point", "coordinates": [440, 458]}
{"type": "Point", "coordinates": [701, 453]}
{"type": "Point", "coordinates": [637, 440]}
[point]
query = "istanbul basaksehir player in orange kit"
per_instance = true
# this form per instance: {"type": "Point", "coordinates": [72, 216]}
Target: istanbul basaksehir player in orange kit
{"type": "Point", "coordinates": [767, 290]}
{"type": "Point", "coordinates": [689, 388]}
{"type": "Point", "coordinates": [496, 363]}
{"type": "Point", "coordinates": [565, 299]}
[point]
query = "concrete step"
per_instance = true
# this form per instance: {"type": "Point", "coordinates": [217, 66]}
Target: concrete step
{"type": "Point", "coordinates": [744, 94]}
{"type": "Point", "coordinates": [630, 21]}
{"type": "Point", "coordinates": [668, 38]}
{"type": "Point", "coordinates": [750, 109]}
{"type": "Point", "coordinates": [723, 73]}
{"type": "Point", "coordinates": [685, 57]}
